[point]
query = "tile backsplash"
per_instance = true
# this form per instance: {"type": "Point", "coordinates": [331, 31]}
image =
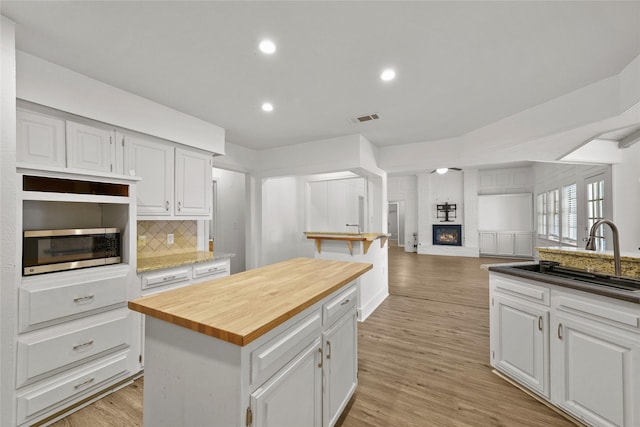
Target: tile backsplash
{"type": "Point", "coordinates": [152, 238]}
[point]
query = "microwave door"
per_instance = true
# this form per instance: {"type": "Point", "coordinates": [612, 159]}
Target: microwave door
{"type": "Point", "coordinates": [55, 253]}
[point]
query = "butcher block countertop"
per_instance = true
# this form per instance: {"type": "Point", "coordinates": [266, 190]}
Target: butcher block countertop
{"type": "Point", "coordinates": [244, 306]}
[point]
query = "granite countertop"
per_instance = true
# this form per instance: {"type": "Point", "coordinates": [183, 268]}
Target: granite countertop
{"type": "Point", "coordinates": [624, 256]}
{"type": "Point", "coordinates": [244, 306]}
{"type": "Point", "coordinates": [176, 260]}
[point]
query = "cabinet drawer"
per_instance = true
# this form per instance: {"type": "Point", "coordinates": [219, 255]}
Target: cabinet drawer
{"type": "Point", "coordinates": [85, 380]}
{"type": "Point", "coordinates": [520, 288]}
{"type": "Point", "coordinates": [334, 309]}
{"type": "Point", "coordinates": [40, 302]}
{"type": "Point", "coordinates": [267, 359]}
{"type": "Point", "coordinates": [42, 352]}
{"type": "Point", "coordinates": [166, 277]}
{"type": "Point", "coordinates": [600, 311]}
{"type": "Point", "coordinates": [218, 269]}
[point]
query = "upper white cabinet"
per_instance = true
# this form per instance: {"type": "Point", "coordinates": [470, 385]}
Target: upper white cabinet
{"type": "Point", "coordinates": [91, 148]}
{"type": "Point", "coordinates": [153, 161]}
{"type": "Point", "coordinates": [41, 139]}
{"type": "Point", "coordinates": [175, 181]}
{"type": "Point", "coordinates": [193, 180]}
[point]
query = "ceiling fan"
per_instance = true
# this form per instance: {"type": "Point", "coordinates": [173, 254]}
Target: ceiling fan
{"type": "Point", "coordinates": [442, 171]}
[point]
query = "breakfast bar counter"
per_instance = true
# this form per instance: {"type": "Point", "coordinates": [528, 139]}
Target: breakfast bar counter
{"type": "Point", "coordinates": [266, 338]}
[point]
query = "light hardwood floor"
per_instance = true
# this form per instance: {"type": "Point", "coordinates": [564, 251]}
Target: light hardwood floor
{"type": "Point", "coordinates": [423, 358]}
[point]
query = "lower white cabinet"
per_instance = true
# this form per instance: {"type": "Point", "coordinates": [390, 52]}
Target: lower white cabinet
{"type": "Point", "coordinates": [340, 366]}
{"type": "Point", "coordinates": [506, 243]}
{"type": "Point", "coordinates": [292, 397]}
{"type": "Point", "coordinates": [580, 351]}
{"type": "Point", "coordinates": [520, 330]}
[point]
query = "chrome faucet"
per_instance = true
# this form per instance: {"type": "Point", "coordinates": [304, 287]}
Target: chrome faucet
{"type": "Point", "coordinates": [591, 242]}
{"type": "Point", "coordinates": [355, 225]}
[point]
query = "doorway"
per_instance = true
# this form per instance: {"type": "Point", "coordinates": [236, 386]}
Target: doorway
{"type": "Point", "coordinates": [395, 222]}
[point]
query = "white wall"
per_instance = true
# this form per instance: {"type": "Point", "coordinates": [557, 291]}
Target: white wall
{"type": "Point", "coordinates": [230, 216]}
{"type": "Point", "coordinates": [626, 196]}
{"type": "Point", "coordinates": [505, 180]}
{"type": "Point", "coordinates": [334, 203]}
{"type": "Point", "coordinates": [49, 84]}
{"type": "Point", "coordinates": [404, 189]}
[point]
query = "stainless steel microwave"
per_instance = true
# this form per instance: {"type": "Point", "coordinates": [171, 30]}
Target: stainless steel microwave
{"type": "Point", "coordinates": [46, 251]}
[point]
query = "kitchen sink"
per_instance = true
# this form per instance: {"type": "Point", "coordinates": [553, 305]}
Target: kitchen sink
{"type": "Point", "coordinates": [555, 269]}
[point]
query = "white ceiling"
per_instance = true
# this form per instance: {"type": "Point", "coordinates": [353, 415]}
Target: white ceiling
{"type": "Point", "coordinates": [460, 65]}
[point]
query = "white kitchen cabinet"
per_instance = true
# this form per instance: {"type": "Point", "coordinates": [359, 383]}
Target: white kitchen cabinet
{"type": "Point", "coordinates": [152, 160]}
{"type": "Point", "coordinates": [193, 183]}
{"type": "Point", "coordinates": [506, 243]}
{"type": "Point", "coordinates": [519, 345]}
{"type": "Point", "coordinates": [175, 181]}
{"type": "Point", "coordinates": [40, 139]}
{"type": "Point", "coordinates": [589, 352]}
{"type": "Point", "coordinates": [596, 363]}
{"type": "Point", "coordinates": [292, 397]}
{"type": "Point", "coordinates": [91, 148]}
{"type": "Point", "coordinates": [340, 366]}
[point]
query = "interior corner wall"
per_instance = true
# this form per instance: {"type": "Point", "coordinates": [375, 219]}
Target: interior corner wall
{"type": "Point", "coordinates": [626, 197]}
{"type": "Point", "coordinates": [231, 216]}
{"type": "Point", "coordinates": [404, 188]}
{"type": "Point", "coordinates": [9, 274]}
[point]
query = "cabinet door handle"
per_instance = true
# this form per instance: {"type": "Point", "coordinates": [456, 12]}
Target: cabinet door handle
{"type": "Point", "coordinates": [168, 278]}
{"type": "Point", "coordinates": [89, 381]}
{"type": "Point", "coordinates": [345, 302]}
{"type": "Point", "coordinates": [83, 299]}
{"type": "Point", "coordinates": [328, 349]}
{"type": "Point", "coordinates": [166, 205]}
{"type": "Point", "coordinates": [320, 363]}
{"type": "Point", "coordinates": [539, 323]}
{"type": "Point", "coordinates": [179, 206]}
{"type": "Point", "coordinates": [560, 331]}
{"type": "Point", "coordinates": [84, 344]}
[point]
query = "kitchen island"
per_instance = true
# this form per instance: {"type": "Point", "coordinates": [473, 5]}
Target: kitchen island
{"type": "Point", "coordinates": [254, 348]}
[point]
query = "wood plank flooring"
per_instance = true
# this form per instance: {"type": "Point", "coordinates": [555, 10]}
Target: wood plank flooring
{"type": "Point", "coordinates": [423, 358]}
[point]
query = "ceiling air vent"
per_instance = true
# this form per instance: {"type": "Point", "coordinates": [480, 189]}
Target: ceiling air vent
{"type": "Point", "coordinates": [366, 118]}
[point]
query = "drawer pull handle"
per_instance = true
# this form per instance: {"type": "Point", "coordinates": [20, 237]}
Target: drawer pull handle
{"type": "Point", "coordinates": [539, 323]}
{"type": "Point", "coordinates": [328, 349]}
{"type": "Point", "coordinates": [320, 363]}
{"type": "Point", "coordinates": [345, 302]}
{"type": "Point", "coordinates": [560, 331]}
{"type": "Point", "coordinates": [82, 384]}
{"type": "Point", "coordinates": [84, 344]}
{"type": "Point", "coordinates": [84, 299]}
{"type": "Point", "coordinates": [164, 279]}
{"type": "Point", "coordinates": [166, 205]}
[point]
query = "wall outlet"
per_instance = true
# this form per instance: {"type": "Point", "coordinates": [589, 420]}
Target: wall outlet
{"type": "Point", "coordinates": [142, 241]}
{"type": "Point", "coordinates": [169, 239]}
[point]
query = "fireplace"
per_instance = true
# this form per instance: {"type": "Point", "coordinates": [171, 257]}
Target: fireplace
{"type": "Point", "coordinates": [447, 234]}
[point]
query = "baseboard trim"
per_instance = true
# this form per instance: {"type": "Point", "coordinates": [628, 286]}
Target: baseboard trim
{"type": "Point", "coordinates": [371, 306]}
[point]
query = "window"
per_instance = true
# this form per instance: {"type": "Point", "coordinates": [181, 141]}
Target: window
{"type": "Point", "coordinates": [541, 214]}
{"type": "Point", "coordinates": [553, 214]}
{"type": "Point", "coordinates": [595, 209]}
{"type": "Point", "coordinates": [569, 214]}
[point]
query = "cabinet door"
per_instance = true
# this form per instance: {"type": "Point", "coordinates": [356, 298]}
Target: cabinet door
{"type": "Point", "coordinates": [152, 160]}
{"type": "Point", "coordinates": [40, 139]}
{"type": "Point", "coordinates": [90, 148]}
{"type": "Point", "coordinates": [519, 341]}
{"type": "Point", "coordinates": [596, 372]}
{"type": "Point", "coordinates": [193, 183]}
{"type": "Point", "coordinates": [488, 243]}
{"type": "Point", "coordinates": [293, 396]}
{"type": "Point", "coordinates": [340, 367]}
{"type": "Point", "coordinates": [504, 243]}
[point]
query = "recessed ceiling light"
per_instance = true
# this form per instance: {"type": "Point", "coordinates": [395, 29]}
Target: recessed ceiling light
{"type": "Point", "coordinates": [267, 46]}
{"type": "Point", "coordinates": [267, 106]}
{"type": "Point", "coordinates": [442, 171]}
{"type": "Point", "coordinates": [388, 75]}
